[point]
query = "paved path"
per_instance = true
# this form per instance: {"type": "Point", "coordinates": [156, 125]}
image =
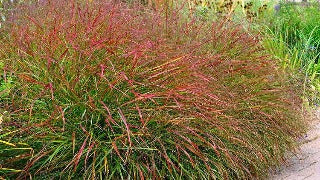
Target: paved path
{"type": "Point", "coordinates": [305, 165]}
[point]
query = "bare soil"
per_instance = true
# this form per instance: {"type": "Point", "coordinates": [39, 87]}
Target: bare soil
{"type": "Point", "coordinates": [306, 164]}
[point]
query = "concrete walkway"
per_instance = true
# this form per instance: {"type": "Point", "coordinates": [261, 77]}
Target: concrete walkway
{"type": "Point", "coordinates": [305, 165]}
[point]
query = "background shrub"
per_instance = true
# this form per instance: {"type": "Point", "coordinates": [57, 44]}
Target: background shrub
{"type": "Point", "coordinates": [108, 90]}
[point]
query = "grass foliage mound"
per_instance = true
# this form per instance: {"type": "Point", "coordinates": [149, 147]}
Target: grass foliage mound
{"type": "Point", "coordinates": [109, 90]}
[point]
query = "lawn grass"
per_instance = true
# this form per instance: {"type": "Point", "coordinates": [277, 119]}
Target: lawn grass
{"type": "Point", "coordinates": [117, 91]}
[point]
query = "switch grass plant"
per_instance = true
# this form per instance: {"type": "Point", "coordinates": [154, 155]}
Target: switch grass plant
{"type": "Point", "coordinates": [115, 91]}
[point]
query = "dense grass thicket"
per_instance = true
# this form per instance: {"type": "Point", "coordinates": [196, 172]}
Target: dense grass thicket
{"type": "Point", "coordinates": [293, 36]}
{"type": "Point", "coordinates": [112, 90]}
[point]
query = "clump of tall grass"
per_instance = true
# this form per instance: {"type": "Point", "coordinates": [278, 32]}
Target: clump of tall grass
{"type": "Point", "coordinates": [106, 90]}
{"type": "Point", "coordinates": [294, 37]}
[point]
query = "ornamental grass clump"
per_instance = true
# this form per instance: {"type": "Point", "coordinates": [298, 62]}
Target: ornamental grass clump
{"type": "Point", "coordinates": [110, 90]}
{"type": "Point", "coordinates": [293, 36]}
